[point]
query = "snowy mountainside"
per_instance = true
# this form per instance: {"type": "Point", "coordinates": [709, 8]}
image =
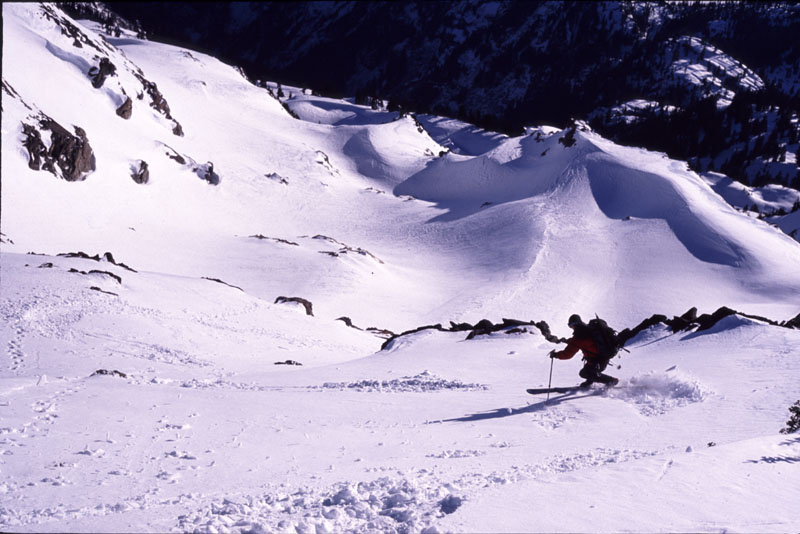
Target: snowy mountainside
{"type": "Point", "coordinates": [198, 347]}
{"type": "Point", "coordinates": [721, 76]}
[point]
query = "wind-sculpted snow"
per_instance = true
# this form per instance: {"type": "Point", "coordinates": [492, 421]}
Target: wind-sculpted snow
{"type": "Point", "coordinates": [420, 383]}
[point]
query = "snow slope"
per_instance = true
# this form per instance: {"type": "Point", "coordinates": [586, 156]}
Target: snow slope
{"type": "Point", "coordinates": [192, 424]}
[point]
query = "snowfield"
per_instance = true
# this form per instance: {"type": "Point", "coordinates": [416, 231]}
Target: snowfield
{"type": "Point", "coordinates": [154, 380]}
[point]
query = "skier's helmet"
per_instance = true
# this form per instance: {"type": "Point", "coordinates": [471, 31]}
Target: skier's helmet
{"type": "Point", "coordinates": [574, 320]}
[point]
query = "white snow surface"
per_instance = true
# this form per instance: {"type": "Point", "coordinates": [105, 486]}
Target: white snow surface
{"type": "Point", "coordinates": [191, 426]}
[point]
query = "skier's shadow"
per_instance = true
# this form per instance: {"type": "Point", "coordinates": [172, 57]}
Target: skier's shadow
{"type": "Point", "coordinates": [508, 412]}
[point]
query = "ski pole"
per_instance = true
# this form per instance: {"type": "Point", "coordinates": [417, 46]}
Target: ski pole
{"type": "Point", "coordinates": [550, 381]}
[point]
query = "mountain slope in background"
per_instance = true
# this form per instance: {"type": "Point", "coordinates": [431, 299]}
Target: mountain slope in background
{"type": "Point", "coordinates": [712, 83]}
{"type": "Point", "coordinates": [202, 281]}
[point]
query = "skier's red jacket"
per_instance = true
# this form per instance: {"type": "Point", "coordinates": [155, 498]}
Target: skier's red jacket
{"type": "Point", "coordinates": [575, 344]}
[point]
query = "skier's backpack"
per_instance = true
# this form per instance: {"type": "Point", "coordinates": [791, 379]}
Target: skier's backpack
{"type": "Point", "coordinates": [605, 338]}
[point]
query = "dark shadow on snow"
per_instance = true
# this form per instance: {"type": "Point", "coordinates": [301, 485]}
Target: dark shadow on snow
{"type": "Point", "coordinates": [779, 459]}
{"type": "Point", "coordinates": [508, 412]}
{"type": "Point", "coordinates": [775, 460]}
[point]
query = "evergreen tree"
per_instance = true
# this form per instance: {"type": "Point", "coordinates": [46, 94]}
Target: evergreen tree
{"type": "Point", "coordinates": [793, 424]}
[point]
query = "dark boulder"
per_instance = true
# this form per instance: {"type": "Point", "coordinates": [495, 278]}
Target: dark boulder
{"type": "Point", "coordinates": [484, 326]}
{"type": "Point", "coordinates": [99, 73]}
{"type": "Point", "coordinates": [544, 328]}
{"type": "Point", "coordinates": [630, 333]}
{"type": "Point", "coordinates": [126, 109]}
{"type": "Point", "coordinates": [569, 138]}
{"type": "Point", "coordinates": [685, 321]}
{"type": "Point", "coordinates": [142, 174]}
{"type": "Point", "coordinates": [706, 320]}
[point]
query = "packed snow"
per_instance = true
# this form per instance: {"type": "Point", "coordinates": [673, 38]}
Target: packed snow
{"type": "Point", "coordinates": [205, 355]}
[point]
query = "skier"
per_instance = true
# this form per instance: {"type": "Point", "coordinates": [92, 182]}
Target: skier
{"type": "Point", "coordinates": [595, 362]}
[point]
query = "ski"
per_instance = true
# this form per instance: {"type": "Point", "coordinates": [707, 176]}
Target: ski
{"type": "Point", "coordinates": [567, 389]}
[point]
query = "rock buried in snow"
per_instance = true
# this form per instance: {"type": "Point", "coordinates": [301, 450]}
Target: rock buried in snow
{"type": "Point", "coordinates": [306, 304]}
{"type": "Point", "coordinates": [95, 288]}
{"type": "Point", "coordinates": [288, 362]}
{"type": "Point", "coordinates": [107, 257]}
{"type": "Point", "coordinates": [106, 372]}
{"type": "Point", "coordinates": [217, 280]}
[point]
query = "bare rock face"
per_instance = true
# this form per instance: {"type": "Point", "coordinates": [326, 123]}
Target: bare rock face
{"type": "Point", "coordinates": [142, 174]}
{"type": "Point", "coordinates": [68, 156]}
{"type": "Point", "coordinates": [126, 109]}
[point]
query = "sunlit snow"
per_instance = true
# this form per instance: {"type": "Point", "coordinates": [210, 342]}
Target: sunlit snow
{"type": "Point", "coordinates": [166, 386]}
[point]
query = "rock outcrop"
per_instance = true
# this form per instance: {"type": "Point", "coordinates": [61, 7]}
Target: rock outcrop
{"type": "Point", "coordinates": [158, 102]}
{"type": "Point", "coordinates": [69, 156]}
{"type": "Point", "coordinates": [102, 71]}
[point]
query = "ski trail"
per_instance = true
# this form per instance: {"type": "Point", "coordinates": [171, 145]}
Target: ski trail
{"type": "Point", "coordinates": [664, 470]}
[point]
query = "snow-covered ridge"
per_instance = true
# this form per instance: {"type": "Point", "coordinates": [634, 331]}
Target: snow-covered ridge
{"type": "Point", "coordinates": [715, 68]}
